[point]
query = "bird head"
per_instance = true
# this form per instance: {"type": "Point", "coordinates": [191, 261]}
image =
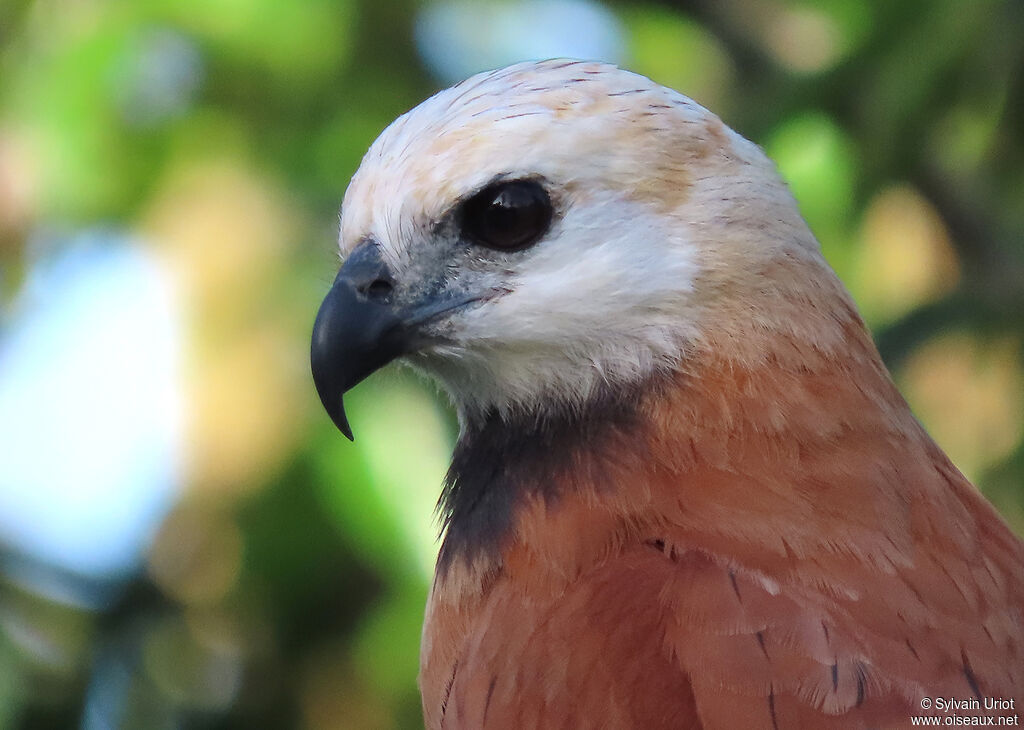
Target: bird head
{"type": "Point", "coordinates": [539, 235]}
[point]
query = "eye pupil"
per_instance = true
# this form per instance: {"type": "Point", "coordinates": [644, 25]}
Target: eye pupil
{"type": "Point", "coordinates": [507, 216]}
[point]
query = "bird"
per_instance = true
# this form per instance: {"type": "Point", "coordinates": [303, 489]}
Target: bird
{"type": "Point", "coordinates": [685, 491]}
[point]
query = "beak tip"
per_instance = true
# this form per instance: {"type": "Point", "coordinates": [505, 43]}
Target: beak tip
{"type": "Point", "coordinates": [341, 421]}
{"type": "Point", "coordinates": [342, 425]}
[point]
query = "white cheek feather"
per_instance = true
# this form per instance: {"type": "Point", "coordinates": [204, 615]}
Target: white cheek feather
{"type": "Point", "coordinates": [605, 299]}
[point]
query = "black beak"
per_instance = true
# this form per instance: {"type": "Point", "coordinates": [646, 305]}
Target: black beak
{"type": "Point", "coordinates": [357, 330]}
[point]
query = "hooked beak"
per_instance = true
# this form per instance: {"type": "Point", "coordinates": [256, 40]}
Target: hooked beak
{"type": "Point", "coordinates": [359, 329]}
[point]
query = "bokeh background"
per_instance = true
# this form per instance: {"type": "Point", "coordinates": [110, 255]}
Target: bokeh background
{"type": "Point", "coordinates": [185, 540]}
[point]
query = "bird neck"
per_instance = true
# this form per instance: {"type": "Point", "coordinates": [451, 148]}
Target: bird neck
{"type": "Point", "coordinates": [760, 456]}
{"type": "Point", "coordinates": [503, 461]}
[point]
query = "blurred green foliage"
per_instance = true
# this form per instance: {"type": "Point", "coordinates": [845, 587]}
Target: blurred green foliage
{"type": "Point", "coordinates": [287, 589]}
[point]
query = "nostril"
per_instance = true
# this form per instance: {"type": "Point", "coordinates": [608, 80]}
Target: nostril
{"type": "Point", "coordinates": [378, 288]}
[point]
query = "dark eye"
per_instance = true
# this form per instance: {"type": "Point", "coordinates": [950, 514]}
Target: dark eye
{"type": "Point", "coordinates": [507, 216]}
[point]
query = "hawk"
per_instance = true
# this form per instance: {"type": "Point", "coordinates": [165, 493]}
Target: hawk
{"type": "Point", "coordinates": [685, 493]}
